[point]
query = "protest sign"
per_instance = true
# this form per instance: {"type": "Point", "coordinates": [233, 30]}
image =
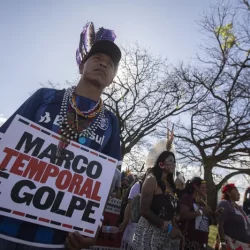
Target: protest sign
{"type": "Point", "coordinates": [113, 206]}
{"type": "Point", "coordinates": [67, 193]}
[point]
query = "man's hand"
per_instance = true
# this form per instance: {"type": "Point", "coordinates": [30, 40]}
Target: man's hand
{"type": "Point", "coordinates": [206, 210]}
{"type": "Point", "coordinates": [76, 241]}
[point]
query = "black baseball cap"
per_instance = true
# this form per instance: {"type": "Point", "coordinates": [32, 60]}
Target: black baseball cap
{"type": "Point", "coordinates": [106, 47]}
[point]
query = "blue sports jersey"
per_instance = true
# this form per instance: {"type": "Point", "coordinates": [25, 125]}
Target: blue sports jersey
{"type": "Point", "coordinates": [43, 108]}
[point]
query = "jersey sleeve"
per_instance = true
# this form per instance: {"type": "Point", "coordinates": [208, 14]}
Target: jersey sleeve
{"type": "Point", "coordinates": [113, 147]}
{"type": "Point", "coordinates": [27, 109]}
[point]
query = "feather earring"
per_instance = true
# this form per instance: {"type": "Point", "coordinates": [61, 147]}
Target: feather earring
{"type": "Point", "coordinates": [90, 36]}
{"type": "Point", "coordinates": [78, 57]}
{"type": "Point", "coordinates": [161, 146]}
{"type": "Point", "coordinates": [82, 43]}
{"type": "Point", "coordinates": [99, 34]}
{"type": "Point", "coordinates": [105, 34]}
{"type": "Point", "coordinates": [170, 138]}
{"type": "Point", "coordinates": [87, 38]}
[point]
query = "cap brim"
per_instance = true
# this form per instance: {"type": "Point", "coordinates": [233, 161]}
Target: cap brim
{"type": "Point", "coordinates": [106, 47]}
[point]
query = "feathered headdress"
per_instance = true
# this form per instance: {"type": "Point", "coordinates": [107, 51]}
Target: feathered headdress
{"type": "Point", "coordinates": [227, 188]}
{"type": "Point", "coordinates": [161, 146]}
{"type": "Point", "coordinates": [127, 175]}
{"type": "Point", "coordinates": [88, 37]}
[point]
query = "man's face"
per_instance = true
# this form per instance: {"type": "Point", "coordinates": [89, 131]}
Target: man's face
{"type": "Point", "coordinates": [125, 182]}
{"type": "Point", "coordinates": [100, 70]}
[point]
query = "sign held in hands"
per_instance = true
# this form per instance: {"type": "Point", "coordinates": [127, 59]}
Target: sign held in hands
{"type": "Point", "coordinates": [68, 193]}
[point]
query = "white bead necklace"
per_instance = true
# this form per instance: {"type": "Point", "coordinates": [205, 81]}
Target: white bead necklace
{"type": "Point", "coordinates": [67, 131]}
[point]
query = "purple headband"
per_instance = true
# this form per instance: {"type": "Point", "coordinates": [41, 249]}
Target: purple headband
{"type": "Point", "coordinates": [88, 37]}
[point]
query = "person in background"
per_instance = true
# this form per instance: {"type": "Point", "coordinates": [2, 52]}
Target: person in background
{"type": "Point", "coordinates": [180, 184]}
{"type": "Point", "coordinates": [115, 190]}
{"type": "Point", "coordinates": [136, 177]}
{"type": "Point", "coordinates": [246, 202]}
{"type": "Point", "coordinates": [157, 228]}
{"type": "Point", "coordinates": [194, 215]}
{"type": "Point", "coordinates": [128, 223]}
{"type": "Point", "coordinates": [126, 181]}
{"type": "Point", "coordinates": [125, 194]}
{"type": "Point", "coordinates": [79, 110]}
{"type": "Point", "coordinates": [233, 223]}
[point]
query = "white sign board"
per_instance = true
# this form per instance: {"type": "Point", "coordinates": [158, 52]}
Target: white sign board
{"type": "Point", "coordinates": [68, 193]}
{"type": "Point", "coordinates": [113, 206]}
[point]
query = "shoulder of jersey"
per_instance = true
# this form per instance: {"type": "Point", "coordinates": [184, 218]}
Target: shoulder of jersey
{"type": "Point", "coordinates": [111, 115]}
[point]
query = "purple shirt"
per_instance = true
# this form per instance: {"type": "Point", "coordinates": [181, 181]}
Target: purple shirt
{"type": "Point", "coordinates": [236, 225]}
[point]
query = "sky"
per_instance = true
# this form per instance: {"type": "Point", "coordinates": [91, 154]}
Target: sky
{"type": "Point", "coordinates": [39, 38]}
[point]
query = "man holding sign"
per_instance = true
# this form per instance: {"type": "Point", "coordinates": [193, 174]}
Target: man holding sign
{"type": "Point", "coordinates": [77, 115]}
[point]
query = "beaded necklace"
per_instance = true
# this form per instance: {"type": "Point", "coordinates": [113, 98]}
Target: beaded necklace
{"type": "Point", "coordinates": [172, 196]}
{"type": "Point", "coordinates": [73, 128]}
{"type": "Point", "coordinates": [237, 207]}
{"type": "Point", "coordinates": [86, 114]}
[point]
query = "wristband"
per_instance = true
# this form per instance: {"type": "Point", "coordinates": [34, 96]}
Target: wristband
{"type": "Point", "coordinates": [223, 243]}
{"type": "Point", "coordinates": [170, 227]}
{"type": "Point", "coordinates": [201, 212]}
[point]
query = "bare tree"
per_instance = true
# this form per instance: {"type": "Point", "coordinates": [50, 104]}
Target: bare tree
{"type": "Point", "coordinates": [217, 132]}
{"type": "Point", "coordinates": [144, 95]}
{"type": "Point", "coordinates": [135, 159]}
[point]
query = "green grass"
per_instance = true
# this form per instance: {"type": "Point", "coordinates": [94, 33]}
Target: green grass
{"type": "Point", "coordinates": [212, 236]}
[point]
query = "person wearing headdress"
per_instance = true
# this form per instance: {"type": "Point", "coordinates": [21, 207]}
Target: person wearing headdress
{"type": "Point", "coordinates": [233, 223]}
{"type": "Point", "coordinates": [157, 227]}
{"type": "Point", "coordinates": [194, 214]}
{"type": "Point", "coordinates": [77, 114]}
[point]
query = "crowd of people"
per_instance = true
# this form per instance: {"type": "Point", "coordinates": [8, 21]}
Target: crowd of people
{"type": "Point", "coordinates": [160, 210]}
{"type": "Point", "coordinates": [161, 215]}
{"type": "Point", "coordinates": [165, 212]}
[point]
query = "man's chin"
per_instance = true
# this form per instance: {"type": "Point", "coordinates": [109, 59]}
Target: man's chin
{"type": "Point", "coordinates": [95, 83]}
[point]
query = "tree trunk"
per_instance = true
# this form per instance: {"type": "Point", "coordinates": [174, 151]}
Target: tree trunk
{"type": "Point", "coordinates": [212, 193]}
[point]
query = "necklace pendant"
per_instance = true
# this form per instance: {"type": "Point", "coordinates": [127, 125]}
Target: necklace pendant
{"type": "Point", "coordinates": [77, 122]}
{"type": "Point", "coordinates": [61, 146]}
{"type": "Point", "coordinates": [82, 140]}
